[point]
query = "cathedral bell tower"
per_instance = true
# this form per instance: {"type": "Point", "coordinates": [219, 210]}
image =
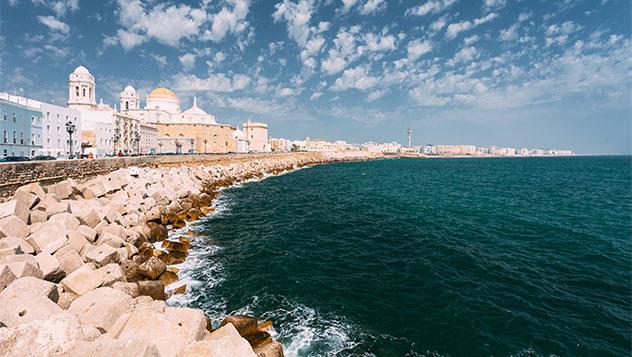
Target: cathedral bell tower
{"type": "Point", "coordinates": [81, 89]}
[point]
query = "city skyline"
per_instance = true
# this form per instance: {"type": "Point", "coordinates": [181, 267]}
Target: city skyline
{"type": "Point", "coordinates": [534, 75]}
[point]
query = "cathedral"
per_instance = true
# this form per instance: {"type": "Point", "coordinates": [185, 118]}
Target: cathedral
{"type": "Point", "coordinates": [190, 131]}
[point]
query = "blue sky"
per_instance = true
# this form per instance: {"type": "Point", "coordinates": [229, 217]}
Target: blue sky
{"type": "Point", "coordinates": [534, 73]}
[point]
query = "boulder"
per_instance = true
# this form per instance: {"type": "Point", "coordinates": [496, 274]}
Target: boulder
{"type": "Point", "coordinates": [88, 217]}
{"type": "Point", "coordinates": [102, 255]}
{"type": "Point", "coordinates": [63, 189]}
{"type": "Point", "coordinates": [106, 346]}
{"type": "Point", "coordinates": [272, 349]}
{"type": "Point", "coordinates": [96, 189]}
{"type": "Point", "coordinates": [69, 259]}
{"type": "Point", "coordinates": [177, 246]}
{"type": "Point", "coordinates": [192, 320]}
{"type": "Point", "coordinates": [152, 268]}
{"type": "Point", "coordinates": [131, 271]}
{"type": "Point", "coordinates": [22, 265]}
{"type": "Point", "coordinates": [178, 223]}
{"type": "Point", "coordinates": [153, 288]}
{"type": "Point", "coordinates": [180, 290]}
{"type": "Point", "coordinates": [110, 239]}
{"type": "Point", "coordinates": [245, 325]}
{"type": "Point", "coordinates": [15, 208]}
{"type": "Point", "coordinates": [13, 226]}
{"type": "Point", "coordinates": [48, 237]}
{"type": "Point", "coordinates": [101, 307]}
{"type": "Point", "coordinates": [38, 216]}
{"type": "Point", "coordinates": [9, 242]}
{"type": "Point", "coordinates": [111, 274]}
{"type": "Point", "coordinates": [158, 233]}
{"type": "Point", "coordinates": [66, 220]}
{"type": "Point", "coordinates": [87, 232]}
{"type": "Point", "coordinates": [23, 306]}
{"type": "Point", "coordinates": [27, 287]}
{"type": "Point", "coordinates": [168, 277]}
{"type": "Point", "coordinates": [32, 188]}
{"type": "Point", "coordinates": [65, 299]}
{"type": "Point", "coordinates": [26, 198]}
{"type": "Point", "coordinates": [54, 207]}
{"type": "Point", "coordinates": [6, 277]}
{"type": "Point", "coordinates": [224, 341]}
{"type": "Point", "coordinates": [81, 281]}
{"type": "Point", "coordinates": [56, 335]}
{"type": "Point", "coordinates": [50, 266]}
{"type": "Point", "coordinates": [130, 289]}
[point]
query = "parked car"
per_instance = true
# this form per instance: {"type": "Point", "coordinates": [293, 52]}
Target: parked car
{"type": "Point", "coordinates": [44, 158]}
{"type": "Point", "coordinates": [14, 159]}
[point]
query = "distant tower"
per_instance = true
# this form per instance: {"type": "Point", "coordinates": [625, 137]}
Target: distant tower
{"type": "Point", "coordinates": [129, 99]}
{"type": "Point", "coordinates": [410, 136]}
{"type": "Point", "coordinates": [81, 89]}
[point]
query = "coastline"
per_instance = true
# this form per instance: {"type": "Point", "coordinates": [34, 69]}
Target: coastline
{"type": "Point", "coordinates": [83, 266]}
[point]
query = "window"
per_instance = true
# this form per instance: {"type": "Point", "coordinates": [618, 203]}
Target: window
{"type": "Point", "coordinates": [47, 116]}
{"type": "Point", "coordinates": [48, 129]}
{"type": "Point", "coordinates": [76, 92]}
{"type": "Point", "coordinates": [6, 138]}
{"type": "Point", "coordinates": [84, 92]}
{"type": "Point", "coordinates": [90, 92]}
{"type": "Point", "coordinates": [57, 117]}
{"type": "Point", "coordinates": [5, 116]}
{"type": "Point", "coordinates": [126, 105]}
{"type": "Point", "coordinates": [5, 152]}
{"type": "Point", "coordinates": [15, 137]}
{"type": "Point", "coordinates": [14, 117]}
{"type": "Point", "coordinates": [22, 138]}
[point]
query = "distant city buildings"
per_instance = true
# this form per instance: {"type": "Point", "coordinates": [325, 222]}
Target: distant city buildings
{"type": "Point", "coordinates": [33, 128]}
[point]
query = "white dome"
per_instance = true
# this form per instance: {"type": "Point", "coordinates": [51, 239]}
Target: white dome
{"type": "Point", "coordinates": [81, 70]}
{"type": "Point", "coordinates": [129, 89]}
{"type": "Point", "coordinates": [195, 110]}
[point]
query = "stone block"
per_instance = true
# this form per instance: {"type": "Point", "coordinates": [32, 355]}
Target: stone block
{"type": "Point", "coordinates": [27, 287]}
{"type": "Point", "coordinates": [33, 188]}
{"type": "Point", "coordinates": [25, 247]}
{"type": "Point", "coordinates": [87, 232]}
{"type": "Point", "coordinates": [69, 259]}
{"type": "Point", "coordinates": [130, 289]}
{"type": "Point", "coordinates": [38, 216]}
{"type": "Point", "coordinates": [94, 190]}
{"type": "Point", "coordinates": [192, 320]}
{"type": "Point", "coordinates": [22, 265]}
{"type": "Point", "coordinates": [26, 198]}
{"type": "Point", "coordinates": [101, 307]}
{"type": "Point", "coordinates": [106, 346]}
{"type": "Point", "coordinates": [48, 237]}
{"type": "Point", "coordinates": [50, 266]}
{"type": "Point", "coordinates": [6, 277]}
{"type": "Point", "coordinates": [88, 217]}
{"type": "Point", "coordinates": [115, 229]}
{"type": "Point", "coordinates": [15, 208]}
{"type": "Point", "coordinates": [245, 325]}
{"type": "Point", "coordinates": [224, 341]}
{"type": "Point", "coordinates": [56, 335]}
{"type": "Point", "coordinates": [53, 207]}
{"type": "Point", "coordinates": [102, 255]}
{"type": "Point", "coordinates": [65, 299]}
{"type": "Point", "coordinates": [110, 239]}
{"type": "Point", "coordinates": [152, 268]}
{"type": "Point", "coordinates": [111, 274]}
{"type": "Point", "coordinates": [81, 281]}
{"type": "Point", "coordinates": [16, 311]}
{"type": "Point", "coordinates": [153, 288]}
{"type": "Point", "coordinates": [65, 219]}
{"type": "Point", "coordinates": [63, 189]}
{"type": "Point", "coordinates": [158, 233]}
{"type": "Point", "coordinates": [13, 226]}
{"type": "Point", "coordinates": [77, 241]}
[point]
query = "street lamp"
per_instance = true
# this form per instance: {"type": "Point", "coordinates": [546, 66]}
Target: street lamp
{"type": "Point", "coordinates": [205, 141]}
{"type": "Point", "coordinates": [178, 147]}
{"type": "Point", "coordinates": [70, 128]}
{"type": "Point", "coordinates": [160, 148]}
{"type": "Point", "coordinates": [191, 141]}
{"type": "Point", "coordinates": [115, 140]}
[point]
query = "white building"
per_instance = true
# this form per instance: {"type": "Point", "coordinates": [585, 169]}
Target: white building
{"type": "Point", "coordinates": [257, 136]}
{"type": "Point", "coordinates": [56, 140]}
{"type": "Point", "coordinates": [242, 141]}
{"type": "Point", "coordinates": [386, 148]}
{"type": "Point", "coordinates": [81, 89]}
{"type": "Point", "coordinates": [148, 139]}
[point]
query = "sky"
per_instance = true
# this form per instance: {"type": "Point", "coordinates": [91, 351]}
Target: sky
{"type": "Point", "coordinates": [522, 73]}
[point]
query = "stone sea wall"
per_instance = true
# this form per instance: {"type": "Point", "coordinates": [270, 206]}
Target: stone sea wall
{"type": "Point", "coordinates": [86, 266]}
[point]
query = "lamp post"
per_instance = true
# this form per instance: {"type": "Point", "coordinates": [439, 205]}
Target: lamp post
{"type": "Point", "coordinates": [115, 140]}
{"type": "Point", "coordinates": [178, 147]}
{"type": "Point", "coordinates": [205, 141]}
{"type": "Point", "coordinates": [192, 141]}
{"type": "Point", "coordinates": [70, 128]}
{"type": "Point", "coordinates": [160, 148]}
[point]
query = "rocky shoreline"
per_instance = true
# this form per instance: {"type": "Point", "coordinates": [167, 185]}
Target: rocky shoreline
{"type": "Point", "coordinates": [84, 266]}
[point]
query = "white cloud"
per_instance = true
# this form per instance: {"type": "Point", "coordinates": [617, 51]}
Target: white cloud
{"type": "Point", "coordinates": [188, 61]}
{"type": "Point", "coordinates": [345, 50]}
{"type": "Point", "coordinates": [471, 39]}
{"type": "Point", "coordinates": [456, 28]}
{"type": "Point", "coordinates": [430, 7]}
{"type": "Point", "coordinates": [54, 24]}
{"type": "Point", "coordinates": [128, 39]}
{"type": "Point", "coordinates": [355, 78]}
{"type": "Point", "coordinates": [417, 48]}
{"type": "Point", "coordinates": [347, 5]}
{"type": "Point", "coordinates": [494, 4]}
{"type": "Point", "coordinates": [161, 60]}
{"type": "Point", "coordinates": [379, 43]}
{"type": "Point", "coordinates": [375, 95]}
{"type": "Point", "coordinates": [297, 15]}
{"type": "Point", "coordinates": [439, 24]}
{"type": "Point", "coordinates": [60, 7]}
{"type": "Point", "coordinates": [217, 82]}
{"type": "Point", "coordinates": [510, 33]}
{"type": "Point", "coordinates": [372, 6]}
{"type": "Point", "coordinates": [228, 21]}
{"type": "Point", "coordinates": [464, 55]}
{"type": "Point", "coordinates": [316, 95]}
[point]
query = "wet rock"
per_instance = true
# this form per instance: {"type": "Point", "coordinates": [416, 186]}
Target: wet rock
{"type": "Point", "coordinates": [180, 289]}
{"type": "Point", "coordinates": [272, 349]}
{"type": "Point", "coordinates": [178, 223]}
{"type": "Point", "coordinates": [153, 288]}
{"type": "Point", "coordinates": [168, 277]}
{"type": "Point", "coordinates": [152, 268]}
{"type": "Point", "coordinates": [158, 233]}
{"type": "Point", "coordinates": [176, 246]}
{"type": "Point", "coordinates": [245, 325]}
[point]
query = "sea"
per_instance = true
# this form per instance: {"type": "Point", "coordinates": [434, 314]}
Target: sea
{"type": "Point", "coordinates": [426, 257]}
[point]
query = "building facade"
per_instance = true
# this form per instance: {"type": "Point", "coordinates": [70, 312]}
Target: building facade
{"type": "Point", "coordinates": [148, 139]}
{"type": "Point", "coordinates": [21, 127]}
{"type": "Point", "coordinates": [207, 138]}
{"type": "Point", "coordinates": [56, 140]}
{"type": "Point", "coordinates": [126, 135]}
{"type": "Point", "coordinates": [257, 136]}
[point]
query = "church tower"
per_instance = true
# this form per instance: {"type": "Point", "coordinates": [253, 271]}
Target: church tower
{"type": "Point", "coordinates": [81, 89]}
{"type": "Point", "coordinates": [129, 99]}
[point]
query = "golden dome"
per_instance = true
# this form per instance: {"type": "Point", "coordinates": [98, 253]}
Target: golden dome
{"type": "Point", "coordinates": [163, 92]}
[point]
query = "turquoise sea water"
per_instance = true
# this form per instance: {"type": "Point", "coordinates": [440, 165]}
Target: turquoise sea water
{"type": "Point", "coordinates": [459, 257]}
